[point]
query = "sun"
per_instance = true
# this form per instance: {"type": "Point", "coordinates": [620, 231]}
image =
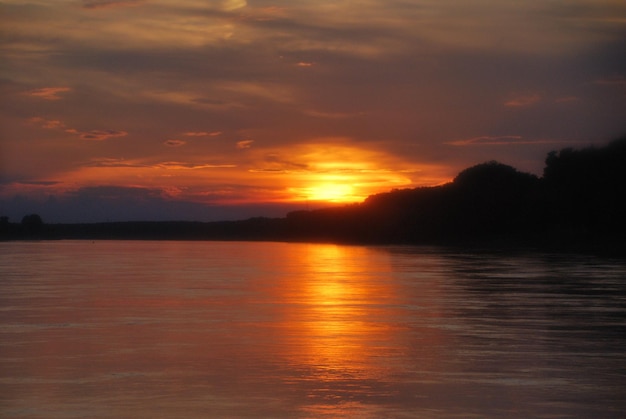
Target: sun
{"type": "Point", "coordinates": [331, 192]}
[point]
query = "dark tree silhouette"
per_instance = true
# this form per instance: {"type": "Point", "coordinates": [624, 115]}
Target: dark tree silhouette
{"type": "Point", "coordinates": [32, 223]}
{"type": "Point", "coordinates": [4, 225]}
{"type": "Point", "coordinates": [585, 189]}
{"type": "Point", "coordinates": [579, 203]}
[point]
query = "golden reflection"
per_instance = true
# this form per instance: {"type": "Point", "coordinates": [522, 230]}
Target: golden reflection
{"type": "Point", "coordinates": [336, 331]}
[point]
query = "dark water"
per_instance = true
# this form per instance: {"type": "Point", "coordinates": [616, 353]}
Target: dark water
{"type": "Point", "coordinates": [235, 330]}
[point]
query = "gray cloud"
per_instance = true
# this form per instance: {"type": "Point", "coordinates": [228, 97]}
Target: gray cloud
{"type": "Point", "coordinates": [174, 143]}
{"type": "Point", "coordinates": [106, 4]}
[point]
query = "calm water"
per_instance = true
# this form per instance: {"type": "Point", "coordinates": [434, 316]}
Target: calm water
{"type": "Point", "coordinates": [234, 330]}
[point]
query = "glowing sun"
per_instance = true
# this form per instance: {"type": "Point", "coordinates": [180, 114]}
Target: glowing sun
{"type": "Point", "coordinates": [331, 192]}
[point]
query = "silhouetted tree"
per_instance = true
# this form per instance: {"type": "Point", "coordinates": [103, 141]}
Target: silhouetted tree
{"type": "Point", "coordinates": [493, 198]}
{"type": "Point", "coordinates": [4, 225]}
{"type": "Point", "coordinates": [585, 189]}
{"type": "Point", "coordinates": [32, 223]}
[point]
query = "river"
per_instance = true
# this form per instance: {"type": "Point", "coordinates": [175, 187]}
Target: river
{"type": "Point", "coordinates": [168, 329]}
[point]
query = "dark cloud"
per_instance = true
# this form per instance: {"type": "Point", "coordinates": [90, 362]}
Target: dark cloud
{"type": "Point", "coordinates": [39, 182]}
{"type": "Point", "coordinates": [112, 162]}
{"type": "Point", "coordinates": [106, 4]}
{"type": "Point", "coordinates": [94, 135]}
{"type": "Point", "coordinates": [202, 134]}
{"type": "Point", "coordinates": [98, 135]}
{"type": "Point", "coordinates": [174, 143]}
{"type": "Point", "coordinates": [501, 140]}
{"type": "Point", "coordinates": [112, 203]}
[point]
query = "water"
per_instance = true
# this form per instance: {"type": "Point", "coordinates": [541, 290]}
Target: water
{"type": "Point", "coordinates": [245, 330]}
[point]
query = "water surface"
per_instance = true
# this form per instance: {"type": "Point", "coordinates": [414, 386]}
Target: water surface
{"type": "Point", "coordinates": [234, 330]}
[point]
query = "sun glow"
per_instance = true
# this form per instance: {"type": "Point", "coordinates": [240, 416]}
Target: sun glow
{"type": "Point", "coordinates": [331, 192]}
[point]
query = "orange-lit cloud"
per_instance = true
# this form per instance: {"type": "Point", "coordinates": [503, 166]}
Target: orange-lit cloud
{"type": "Point", "coordinates": [202, 134]}
{"type": "Point", "coordinates": [92, 135]}
{"type": "Point", "coordinates": [244, 144]}
{"type": "Point", "coordinates": [97, 135]}
{"type": "Point", "coordinates": [47, 123]}
{"type": "Point", "coordinates": [49, 93]}
{"type": "Point", "coordinates": [230, 5]}
{"type": "Point", "coordinates": [174, 143]}
{"type": "Point", "coordinates": [336, 171]}
{"type": "Point", "coordinates": [521, 101]}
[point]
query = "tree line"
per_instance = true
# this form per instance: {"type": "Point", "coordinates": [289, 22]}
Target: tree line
{"type": "Point", "coordinates": [578, 202]}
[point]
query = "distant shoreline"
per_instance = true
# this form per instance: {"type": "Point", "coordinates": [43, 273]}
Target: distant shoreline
{"type": "Point", "coordinates": [579, 205]}
{"type": "Point", "coordinates": [269, 230]}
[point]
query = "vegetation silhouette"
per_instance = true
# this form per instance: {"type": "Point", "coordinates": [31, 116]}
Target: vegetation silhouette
{"type": "Point", "coordinates": [577, 204]}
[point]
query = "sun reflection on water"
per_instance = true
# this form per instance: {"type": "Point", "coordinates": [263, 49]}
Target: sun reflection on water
{"type": "Point", "coordinates": [336, 336]}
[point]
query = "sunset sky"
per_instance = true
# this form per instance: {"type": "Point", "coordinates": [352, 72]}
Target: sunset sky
{"type": "Point", "coordinates": [204, 110]}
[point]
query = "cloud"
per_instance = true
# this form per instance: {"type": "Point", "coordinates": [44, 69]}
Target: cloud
{"type": "Point", "coordinates": [97, 135]}
{"type": "Point", "coordinates": [488, 140]}
{"type": "Point", "coordinates": [332, 115]}
{"type": "Point", "coordinates": [274, 163]}
{"type": "Point", "coordinates": [107, 4]}
{"type": "Point", "coordinates": [244, 144]}
{"type": "Point", "coordinates": [174, 165]}
{"type": "Point", "coordinates": [48, 93]}
{"type": "Point", "coordinates": [229, 5]}
{"type": "Point", "coordinates": [39, 182]}
{"type": "Point", "coordinates": [93, 135]}
{"type": "Point", "coordinates": [168, 165]}
{"type": "Point", "coordinates": [615, 81]}
{"type": "Point", "coordinates": [115, 203]}
{"type": "Point", "coordinates": [112, 162]}
{"type": "Point", "coordinates": [202, 134]}
{"type": "Point", "coordinates": [499, 140]}
{"type": "Point", "coordinates": [175, 143]}
{"type": "Point", "coordinates": [523, 101]}
{"type": "Point", "coordinates": [47, 123]}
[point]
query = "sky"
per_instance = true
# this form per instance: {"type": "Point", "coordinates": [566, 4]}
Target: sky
{"type": "Point", "coordinates": [119, 110]}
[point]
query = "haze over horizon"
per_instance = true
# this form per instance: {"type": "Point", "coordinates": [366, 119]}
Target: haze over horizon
{"type": "Point", "coordinates": [206, 110]}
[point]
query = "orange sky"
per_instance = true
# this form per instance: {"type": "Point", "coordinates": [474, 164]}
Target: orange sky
{"type": "Point", "coordinates": [176, 106]}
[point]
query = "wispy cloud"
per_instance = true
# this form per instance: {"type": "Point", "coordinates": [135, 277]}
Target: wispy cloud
{"type": "Point", "coordinates": [202, 134]}
{"type": "Point", "coordinates": [97, 135]}
{"type": "Point", "coordinates": [48, 93]}
{"type": "Point", "coordinates": [521, 101]}
{"type": "Point", "coordinates": [503, 140]}
{"type": "Point", "coordinates": [174, 143]}
{"type": "Point", "coordinates": [175, 165]}
{"type": "Point", "coordinates": [244, 144]}
{"type": "Point", "coordinates": [112, 162]}
{"type": "Point", "coordinates": [92, 135]}
{"type": "Point", "coordinates": [230, 5]}
{"type": "Point", "coordinates": [39, 182]}
{"type": "Point", "coordinates": [274, 163]}
{"type": "Point", "coordinates": [107, 4]}
{"type": "Point", "coordinates": [618, 82]}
